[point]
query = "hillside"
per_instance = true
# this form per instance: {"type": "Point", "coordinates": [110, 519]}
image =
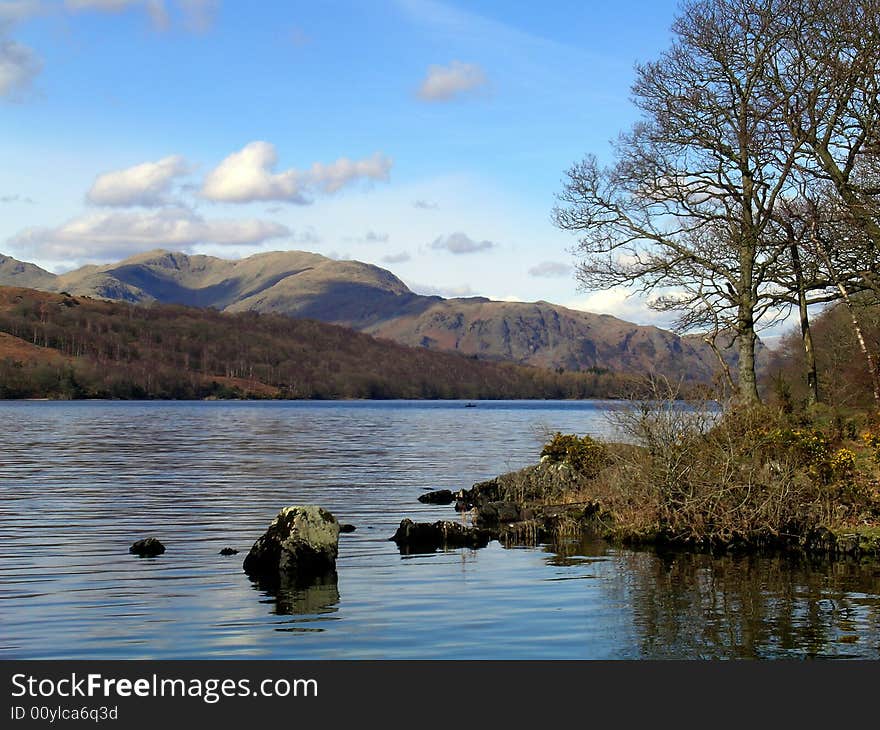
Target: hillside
{"type": "Point", "coordinates": [57, 345]}
{"type": "Point", "coordinates": [373, 300]}
{"type": "Point", "coordinates": [844, 377]}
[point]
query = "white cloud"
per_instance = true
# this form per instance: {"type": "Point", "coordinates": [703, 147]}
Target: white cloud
{"type": "Point", "coordinates": [119, 234]}
{"type": "Point", "coordinates": [622, 303]}
{"type": "Point", "coordinates": [344, 171]}
{"type": "Point", "coordinates": [147, 184]}
{"type": "Point", "coordinates": [248, 175]}
{"type": "Point", "coordinates": [550, 270]}
{"type": "Point", "coordinates": [19, 65]}
{"type": "Point", "coordinates": [396, 258]}
{"type": "Point", "coordinates": [443, 83]}
{"type": "Point", "coordinates": [459, 243]}
{"type": "Point", "coordinates": [430, 290]}
{"type": "Point", "coordinates": [425, 205]}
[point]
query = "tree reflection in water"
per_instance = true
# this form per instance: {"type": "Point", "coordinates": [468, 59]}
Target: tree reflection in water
{"type": "Point", "coordinates": [695, 605]}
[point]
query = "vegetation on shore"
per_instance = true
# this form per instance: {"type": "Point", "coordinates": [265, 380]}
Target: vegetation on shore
{"type": "Point", "coordinates": [58, 346]}
{"type": "Point", "coordinates": [757, 476]}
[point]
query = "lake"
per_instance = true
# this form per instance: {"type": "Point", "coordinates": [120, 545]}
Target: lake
{"type": "Point", "coordinates": [81, 481]}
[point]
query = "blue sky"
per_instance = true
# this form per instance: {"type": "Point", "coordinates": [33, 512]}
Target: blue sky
{"type": "Point", "coordinates": [426, 137]}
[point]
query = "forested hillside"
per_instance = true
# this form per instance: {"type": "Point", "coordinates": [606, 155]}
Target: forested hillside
{"type": "Point", "coordinates": [60, 346]}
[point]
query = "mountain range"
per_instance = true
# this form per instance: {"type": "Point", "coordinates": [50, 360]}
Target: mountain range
{"type": "Point", "coordinates": [373, 300]}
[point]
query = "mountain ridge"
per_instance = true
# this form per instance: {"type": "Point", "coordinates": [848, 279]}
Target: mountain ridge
{"type": "Point", "coordinates": [373, 300]}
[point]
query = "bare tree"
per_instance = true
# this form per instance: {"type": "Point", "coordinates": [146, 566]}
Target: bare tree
{"type": "Point", "coordinates": [825, 80]}
{"type": "Point", "coordinates": [684, 210]}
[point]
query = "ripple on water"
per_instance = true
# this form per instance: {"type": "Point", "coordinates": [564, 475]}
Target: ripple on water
{"type": "Point", "coordinates": [81, 481]}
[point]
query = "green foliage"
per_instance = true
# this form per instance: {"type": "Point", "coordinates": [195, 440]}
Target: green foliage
{"type": "Point", "coordinates": [585, 455]}
{"type": "Point", "coordinates": [810, 447]}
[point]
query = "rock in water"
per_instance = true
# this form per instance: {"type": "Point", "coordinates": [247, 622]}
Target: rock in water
{"type": "Point", "coordinates": [228, 551]}
{"type": "Point", "coordinates": [149, 547]}
{"type": "Point", "coordinates": [441, 496]}
{"type": "Point", "coordinates": [427, 537]}
{"type": "Point", "coordinates": [301, 542]}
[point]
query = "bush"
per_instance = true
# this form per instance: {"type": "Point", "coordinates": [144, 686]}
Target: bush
{"type": "Point", "coordinates": [808, 447]}
{"type": "Point", "coordinates": [585, 455]}
{"type": "Point", "coordinates": [872, 441]}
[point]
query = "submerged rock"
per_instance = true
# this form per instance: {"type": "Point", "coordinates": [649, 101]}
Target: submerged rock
{"type": "Point", "coordinates": [441, 496]}
{"type": "Point", "coordinates": [149, 547]}
{"type": "Point", "coordinates": [228, 551]}
{"type": "Point", "coordinates": [347, 528]}
{"type": "Point", "coordinates": [301, 541]}
{"type": "Point", "coordinates": [428, 537]}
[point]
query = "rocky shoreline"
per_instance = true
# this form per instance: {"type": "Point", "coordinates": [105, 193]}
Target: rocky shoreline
{"type": "Point", "coordinates": [544, 502]}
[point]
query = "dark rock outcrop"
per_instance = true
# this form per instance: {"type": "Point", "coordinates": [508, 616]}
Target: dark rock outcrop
{"type": "Point", "coordinates": [491, 514]}
{"type": "Point", "coordinates": [441, 496]}
{"type": "Point", "coordinates": [301, 542]}
{"type": "Point", "coordinates": [149, 547]}
{"type": "Point", "coordinates": [347, 528]}
{"type": "Point", "coordinates": [228, 551]}
{"type": "Point", "coordinates": [428, 537]}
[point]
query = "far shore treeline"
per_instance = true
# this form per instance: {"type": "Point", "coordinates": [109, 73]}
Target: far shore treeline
{"type": "Point", "coordinates": [58, 346]}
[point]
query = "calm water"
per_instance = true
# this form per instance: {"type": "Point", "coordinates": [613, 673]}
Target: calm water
{"type": "Point", "coordinates": [81, 481]}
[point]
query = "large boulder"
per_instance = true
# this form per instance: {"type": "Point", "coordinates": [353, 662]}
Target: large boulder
{"type": "Point", "coordinates": [301, 543]}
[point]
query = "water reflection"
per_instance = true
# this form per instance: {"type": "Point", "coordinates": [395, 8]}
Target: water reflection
{"type": "Point", "coordinates": [292, 596]}
{"type": "Point", "coordinates": [743, 606]}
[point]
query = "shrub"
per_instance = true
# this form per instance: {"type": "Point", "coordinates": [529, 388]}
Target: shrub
{"type": "Point", "coordinates": [585, 455]}
{"type": "Point", "coordinates": [701, 477]}
{"type": "Point", "coordinates": [872, 441]}
{"type": "Point", "coordinates": [807, 447]}
{"type": "Point", "coordinates": [843, 464]}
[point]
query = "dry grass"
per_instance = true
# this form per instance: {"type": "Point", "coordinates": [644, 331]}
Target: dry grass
{"type": "Point", "coordinates": [754, 476]}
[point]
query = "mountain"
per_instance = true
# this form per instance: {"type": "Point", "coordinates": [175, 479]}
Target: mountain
{"type": "Point", "coordinates": [60, 346]}
{"type": "Point", "coordinates": [24, 274]}
{"type": "Point", "coordinates": [373, 300]}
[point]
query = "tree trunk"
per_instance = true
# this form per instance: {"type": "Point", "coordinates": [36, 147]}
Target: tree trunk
{"type": "Point", "coordinates": [748, 381]}
{"type": "Point", "coordinates": [745, 329]}
{"type": "Point", "coordinates": [863, 345]}
{"type": "Point", "coordinates": [806, 333]}
{"type": "Point", "coordinates": [857, 327]}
